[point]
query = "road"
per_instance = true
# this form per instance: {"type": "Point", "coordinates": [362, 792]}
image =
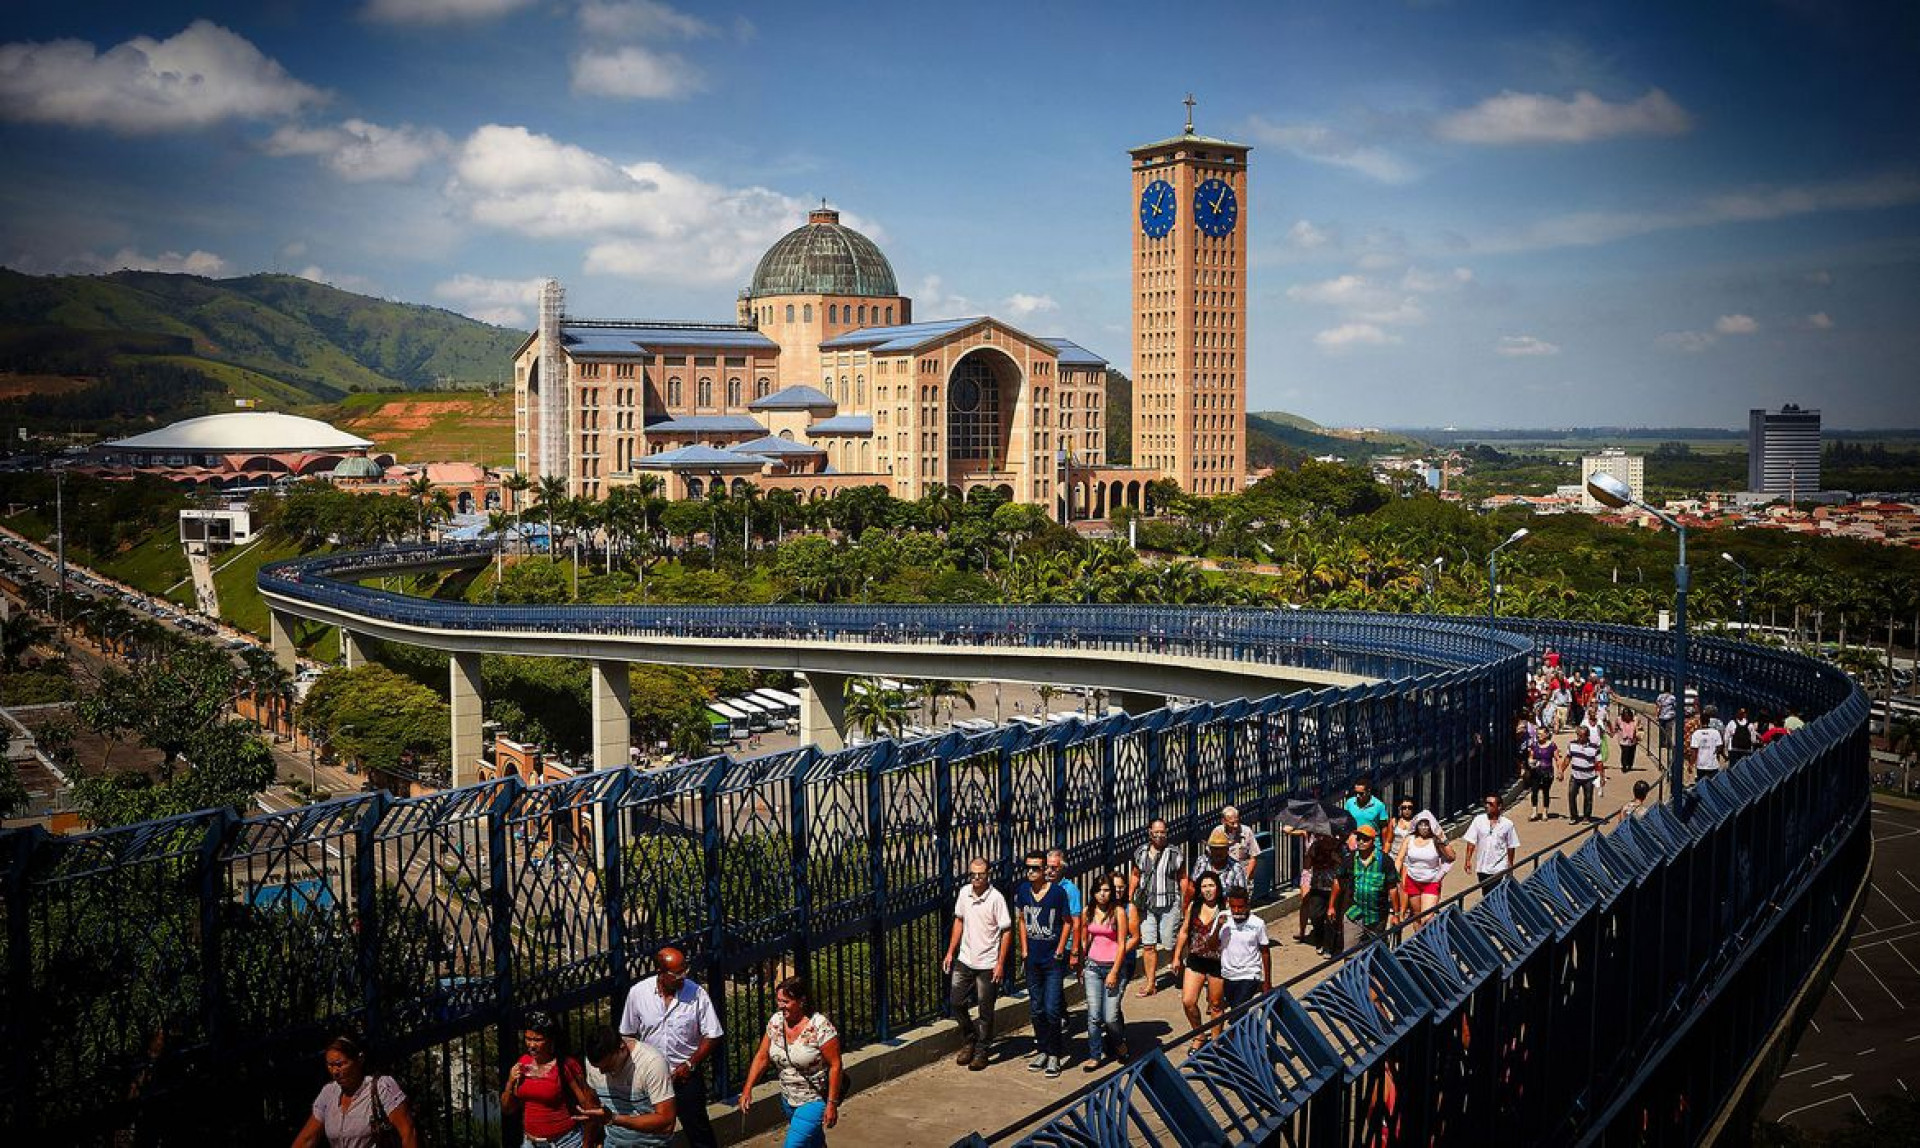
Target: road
{"type": "Point", "coordinates": [1863, 1044]}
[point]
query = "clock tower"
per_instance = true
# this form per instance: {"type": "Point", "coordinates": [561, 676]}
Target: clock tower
{"type": "Point", "coordinates": [1190, 311]}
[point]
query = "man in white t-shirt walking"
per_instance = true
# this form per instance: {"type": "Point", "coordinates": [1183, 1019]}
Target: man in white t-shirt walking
{"type": "Point", "coordinates": [1492, 844]}
{"type": "Point", "coordinates": [1708, 743]}
{"type": "Point", "coordinates": [976, 961]}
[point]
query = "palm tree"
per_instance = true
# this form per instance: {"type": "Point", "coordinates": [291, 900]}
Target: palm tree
{"type": "Point", "coordinates": [420, 489]}
{"type": "Point", "coordinates": [499, 523]}
{"type": "Point", "coordinates": [872, 711]}
{"type": "Point", "coordinates": [548, 494]}
{"type": "Point", "coordinates": [933, 690]}
{"type": "Point", "coordinates": [517, 484]}
{"type": "Point", "coordinates": [20, 632]}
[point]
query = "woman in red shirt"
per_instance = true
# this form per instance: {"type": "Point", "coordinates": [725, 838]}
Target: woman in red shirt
{"type": "Point", "coordinates": [547, 1088]}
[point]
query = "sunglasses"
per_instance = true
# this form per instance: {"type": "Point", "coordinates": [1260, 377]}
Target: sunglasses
{"type": "Point", "coordinates": [1035, 868]}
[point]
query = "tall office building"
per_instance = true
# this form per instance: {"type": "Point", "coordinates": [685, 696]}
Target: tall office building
{"type": "Point", "coordinates": [1628, 468]}
{"type": "Point", "coordinates": [1783, 452]}
{"type": "Point", "coordinates": [1190, 311]}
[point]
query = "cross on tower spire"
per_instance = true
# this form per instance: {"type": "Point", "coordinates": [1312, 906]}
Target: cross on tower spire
{"type": "Point", "coordinates": [1189, 102]}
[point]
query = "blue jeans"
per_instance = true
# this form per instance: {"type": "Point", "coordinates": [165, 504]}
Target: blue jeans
{"type": "Point", "coordinates": [806, 1127]}
{"type": "Point", "coordinates": [1045, 1004]}
{"type": "Point", "coordinates": [571, 1139]}
{"type": "Point", "coordinates": [1103, 1008]}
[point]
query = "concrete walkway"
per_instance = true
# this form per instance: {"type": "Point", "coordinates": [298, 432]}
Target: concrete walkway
{"type": "Point", "coordinates": [938, 1104]}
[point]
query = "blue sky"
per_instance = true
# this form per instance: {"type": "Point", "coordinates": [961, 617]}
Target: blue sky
{"type": "Point", "coordinates": [1461, 213]}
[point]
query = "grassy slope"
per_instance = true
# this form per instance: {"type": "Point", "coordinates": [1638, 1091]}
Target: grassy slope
{"type": "Point", "coordinates": [434, 426]}
{"type": "Point", "coordinates": [242, 606]}
{"type": "Point", "coordinates": [312, 338]}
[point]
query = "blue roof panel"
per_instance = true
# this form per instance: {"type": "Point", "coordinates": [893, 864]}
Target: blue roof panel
{"type": "Point", "coordinates": [641, 338]}
{"type": "Point", "coordinates": [798, 398]}
{"type": "Point", "coordinates": [901, 338]}
{"type": "Point", "coordinates": [1071, 354]}
{"type": "Point", "coordinates": [842, 424]}
{"type": "Point", "coordinates": [696, 456]}
{"type": "Point", "coordinates": [775, 445]}
{"type": "Point", "coordinates": [707, 424]}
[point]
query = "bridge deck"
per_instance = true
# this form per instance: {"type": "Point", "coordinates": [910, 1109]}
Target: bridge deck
{"type": "Point", "coordinates": [941, 1103]}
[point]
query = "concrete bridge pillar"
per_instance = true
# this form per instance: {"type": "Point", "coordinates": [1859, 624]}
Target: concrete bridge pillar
{"type": "Point", "coordinates": [823, 710]}
{"type": "Point", "coordinates": [1136, 703]}
{"type": "Point", "coordinates": [612, 715]}
{"type": "Point", "coordinates": [464, 700]}
{"type": "Point", "coordinates": [353, 650]}
{"type": "Point", "coordinates": [280, 637]}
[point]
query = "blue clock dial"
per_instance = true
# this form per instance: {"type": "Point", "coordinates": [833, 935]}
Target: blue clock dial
{"type": "Point", "coordinates": [1157, 210]}
{"type": "Point", "coordinates": [1215, 209]}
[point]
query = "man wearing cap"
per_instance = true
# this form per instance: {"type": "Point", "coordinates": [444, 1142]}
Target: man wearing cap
{"type": "Point", "coordinates": [1374, 886]}
{"type": "Point", "coordinates": [1218, 860]}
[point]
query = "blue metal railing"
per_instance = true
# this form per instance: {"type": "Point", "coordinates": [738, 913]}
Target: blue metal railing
{"type": "Point", "coordinates": [143, 963]}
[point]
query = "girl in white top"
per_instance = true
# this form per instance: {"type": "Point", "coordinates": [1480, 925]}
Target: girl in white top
{"type": "Point", "coordinates": [1424, 858]}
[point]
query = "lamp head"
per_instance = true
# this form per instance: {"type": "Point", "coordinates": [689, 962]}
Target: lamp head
{"type": "Point", "coordinates": [1609, 490]}
{"type": "Point", "coordinates": [1518, 534]}
{"type": "Point", "coordinates": [1730, 558]}
{"type": "Point", "coordinates": [1440, 561]}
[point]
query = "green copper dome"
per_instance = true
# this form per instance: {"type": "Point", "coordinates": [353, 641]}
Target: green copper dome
{"type": "Point", "coordinates": [823, 258]}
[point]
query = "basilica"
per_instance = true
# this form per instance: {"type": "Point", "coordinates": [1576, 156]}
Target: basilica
{"type": "Point", "coordinates": [823, 381]}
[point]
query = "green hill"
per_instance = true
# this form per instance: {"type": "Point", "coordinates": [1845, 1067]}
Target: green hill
{"type": "Point", "coordinates": [279, 338]}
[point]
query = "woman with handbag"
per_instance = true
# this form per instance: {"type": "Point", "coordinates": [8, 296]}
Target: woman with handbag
{"type": "Point", "coordinates": [547, 1088]}
{"type": "Point", "coordinates": [805, 1047]}
{"type": "Point", "coordinates": [357, 1110]}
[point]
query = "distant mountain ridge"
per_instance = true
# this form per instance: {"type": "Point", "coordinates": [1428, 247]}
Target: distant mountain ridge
{"type": "Point", "coordinates": [275, 337]}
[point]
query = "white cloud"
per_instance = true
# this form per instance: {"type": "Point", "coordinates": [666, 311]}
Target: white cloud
{"type": "Point", "coordinates": [1347, 335]}
{"type": "Point", "coordinates": [1429, 282]}
{"type": "Point", "coordinates": [1023, 306]}
{"type": "Point", "coordinates": [1820, 321]}
{"type": "Point", "coordinates": [359, 284]}
{"type": "Point", "coordinates": [202, 76]}
{"type": "Point", "coordinates": [1686, 342]}
{"type": "Point", "coordinates": [1820, 278]}
{"type": "Point", "coordinates": [1736, 325]}
{"type": "Point", "coordinates": [1585, 229]}
{"type": "Point", "coordinates": [363, 152]}
{"type": "Point", "coordinates": [933, 301]}
{"type": "Point", "coordinates": [1322, 144]}
{"type": "Point", "coordinates": [437, 11]}
{"type": "Point", "coordinates": [1362, 299]}
{"type": "Point", "coordinates": [502, 302]}
{"type": "Point", "coordinates": [1524, 346]}
{"type": "Point", "coordinates": [194, 262]}
{"type": "Point", "coordinates": [634, 72]}
{"type": "Point", "coordinates": [640, 20]}
{"type": "Point", "coordinates": [641, 220]}
{"type": "Point", "coordinates": [1526, 118]}
{"type": "Point", "coordinates": [1305, 236]}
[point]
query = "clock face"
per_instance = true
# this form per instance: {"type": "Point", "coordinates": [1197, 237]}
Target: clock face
{"type": "Point", "coordinates": [1215, 210]}
{"type": "Point", "coordinates": [1157, 209]}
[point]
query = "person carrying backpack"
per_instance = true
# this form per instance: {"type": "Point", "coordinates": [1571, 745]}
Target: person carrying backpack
{"type": "Point", "coordinates": [1742, 738]}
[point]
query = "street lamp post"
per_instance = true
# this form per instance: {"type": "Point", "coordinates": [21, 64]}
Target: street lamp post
{"type": "Point", "coordinates": [1432, 576]}
{"type": "Point", "coordinates": [1612, 492]}
{"type": "Point", "coordinates": [1493, 571]}
{"type": "Point", "coordinates": [1744, 632]}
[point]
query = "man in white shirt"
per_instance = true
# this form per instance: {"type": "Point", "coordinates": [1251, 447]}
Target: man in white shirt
{"type": "Point", "coordinates": [1246, 960]}
{"type": "Point", "coordinates": [676, 1017]}
{"type": "Point", "coordinates": [1492, 844]}
{"type": "Point", "coordinates": [635, 1090]}
{"type": "Point", "coordinates": [976, 960]}
{"type": "Point", "coordinates": [1706, 742]}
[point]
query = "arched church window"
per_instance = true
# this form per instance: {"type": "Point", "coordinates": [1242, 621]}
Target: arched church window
{"type": "Point", "coordinates": [706, 392]}
{"type": "Point", "coordinates": [889, 316]}
{"type": "Point", "coordinates": [806, 312]}
{"type": "Point", "coordinates": [733, 392]}
{"type": "Point", "coordinates": [863, 314]}
{"type": "Point", "coordinates": [789, 312]}
{"type": "Point", "coordinates": [845, 393]}
{"type": "Point", "coordinates": [673, 392]}
{"type": "Point", "coordinates": [762, 387]}
{"type": "Point", "coordinates": [833, 313]}
{"type": "Point", "coordinates": [860, 390]}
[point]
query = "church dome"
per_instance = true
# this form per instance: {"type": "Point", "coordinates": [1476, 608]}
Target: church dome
{"type": "Point", "coordinates": [823, 258]}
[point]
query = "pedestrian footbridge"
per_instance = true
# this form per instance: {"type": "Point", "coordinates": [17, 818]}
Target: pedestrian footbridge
{"type": "Point", "coordinates": [1141, 656]}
